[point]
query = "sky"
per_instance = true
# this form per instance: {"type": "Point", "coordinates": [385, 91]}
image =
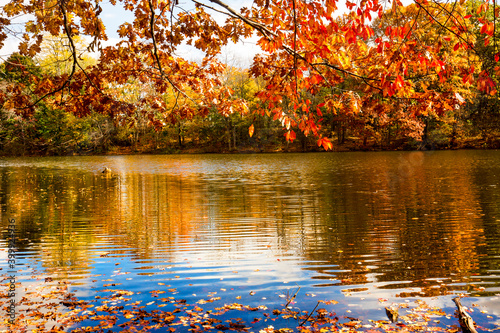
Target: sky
{"type": "Point", "coordinates": [240, 54]}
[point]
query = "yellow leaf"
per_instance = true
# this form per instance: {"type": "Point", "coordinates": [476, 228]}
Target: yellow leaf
{"type": "Point", "coordinates": [250, 130]}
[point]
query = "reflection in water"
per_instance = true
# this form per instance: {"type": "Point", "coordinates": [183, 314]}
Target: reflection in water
{"type": "Point", "coordinates": [414, 224]}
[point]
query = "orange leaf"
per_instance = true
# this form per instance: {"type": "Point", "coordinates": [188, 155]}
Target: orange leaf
{"type": "Point", "coordinates": [250, 130]}
{"type": "Point", "coordinates": [327, 145]}
{"type": "Point", "coordinates": [290, 136]}
{"type": "Point", "coordinates": [325, 142]}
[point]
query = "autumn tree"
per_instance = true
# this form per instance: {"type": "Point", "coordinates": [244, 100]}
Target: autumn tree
{"type": "Point", "coordinates": [314, 61]}
{"type": "Point", "coordinates": [55, 56]}
{"type": "Point", "coordinates": [433, 93]}
{"type": "Point", "coordinates": [19, 69]}
{"type": "Point", "coordinates": [482, 111]}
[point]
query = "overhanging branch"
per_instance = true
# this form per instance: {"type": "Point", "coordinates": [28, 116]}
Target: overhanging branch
{"type": "Point", "coordinates": [267, 33]}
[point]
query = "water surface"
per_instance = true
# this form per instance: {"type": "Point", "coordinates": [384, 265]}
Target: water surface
{"type": "Point", "coordinates": [358, 228]}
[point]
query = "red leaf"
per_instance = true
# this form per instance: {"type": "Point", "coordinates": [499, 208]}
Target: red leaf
{"type": "Point", "coordinates": [290, 136]}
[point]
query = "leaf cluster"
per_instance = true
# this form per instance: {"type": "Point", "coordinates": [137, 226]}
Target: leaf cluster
{"type": "Point", "coordinates": [397, 64]}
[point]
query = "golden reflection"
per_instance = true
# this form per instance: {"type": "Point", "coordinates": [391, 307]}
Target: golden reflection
{"type": "Point", "coordinates": [412, 223]}
{"type": "Point", "coordinates": [403, 219]}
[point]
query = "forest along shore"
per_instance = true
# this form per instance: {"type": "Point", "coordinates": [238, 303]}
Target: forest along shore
{"type": "Point", "coordinates": [53, 132]}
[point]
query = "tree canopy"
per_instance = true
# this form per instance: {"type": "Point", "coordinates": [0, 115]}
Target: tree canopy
{"type": "Point", "coordinates": [380, 62]}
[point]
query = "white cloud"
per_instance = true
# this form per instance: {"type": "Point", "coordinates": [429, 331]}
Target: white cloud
{"type": "Point", "coordinates": [10, 46]}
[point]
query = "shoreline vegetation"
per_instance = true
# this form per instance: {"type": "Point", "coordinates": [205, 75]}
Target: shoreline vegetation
{"type": "Point", "coordinates": [472, 143]}
{"type": "Point", "coordinates": [53, 132]}
{"type": "Point", "coordinates": [351, 144]}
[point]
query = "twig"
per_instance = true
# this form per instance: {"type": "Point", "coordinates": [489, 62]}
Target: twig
{"type": "Point", "coordinates": [310, 314]}
{"type": "Point", "coordinates": [293, 297]}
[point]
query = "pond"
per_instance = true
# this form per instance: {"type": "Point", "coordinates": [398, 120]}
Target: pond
{"type": "Point", "coordinates": [205, 235]}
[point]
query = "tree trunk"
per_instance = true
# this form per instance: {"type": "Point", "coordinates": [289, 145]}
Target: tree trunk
{"type": "Point", "coordinates": [425, 135]}
{"type": "Point", "coordinates": [453, 135]}
{"type": "Point", "coordinates": [341, 133]}
{"type": "Point", "coordinates": [228, 127]}
{"type": "Point", "coordinates": [179, 136]}
{"type": "Point", "coordinates": [234, 137]}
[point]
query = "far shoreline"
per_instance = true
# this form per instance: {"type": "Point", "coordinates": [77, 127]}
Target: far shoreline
{"type": "Point", "coordinates": [352, 145]}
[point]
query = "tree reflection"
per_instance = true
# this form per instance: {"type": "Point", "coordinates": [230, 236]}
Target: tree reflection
{"type": "Point", "coordinates": [414, 224]}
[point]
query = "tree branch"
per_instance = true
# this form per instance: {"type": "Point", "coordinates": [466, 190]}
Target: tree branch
{"type": "Point", "coordinates": [445, 27]}
{"type": "Point", "coordinates": [157, 57]}
{"type": "Point", "coordinates": [269, 34]}
{"type": "Point", "coordinates": [67, 31]}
